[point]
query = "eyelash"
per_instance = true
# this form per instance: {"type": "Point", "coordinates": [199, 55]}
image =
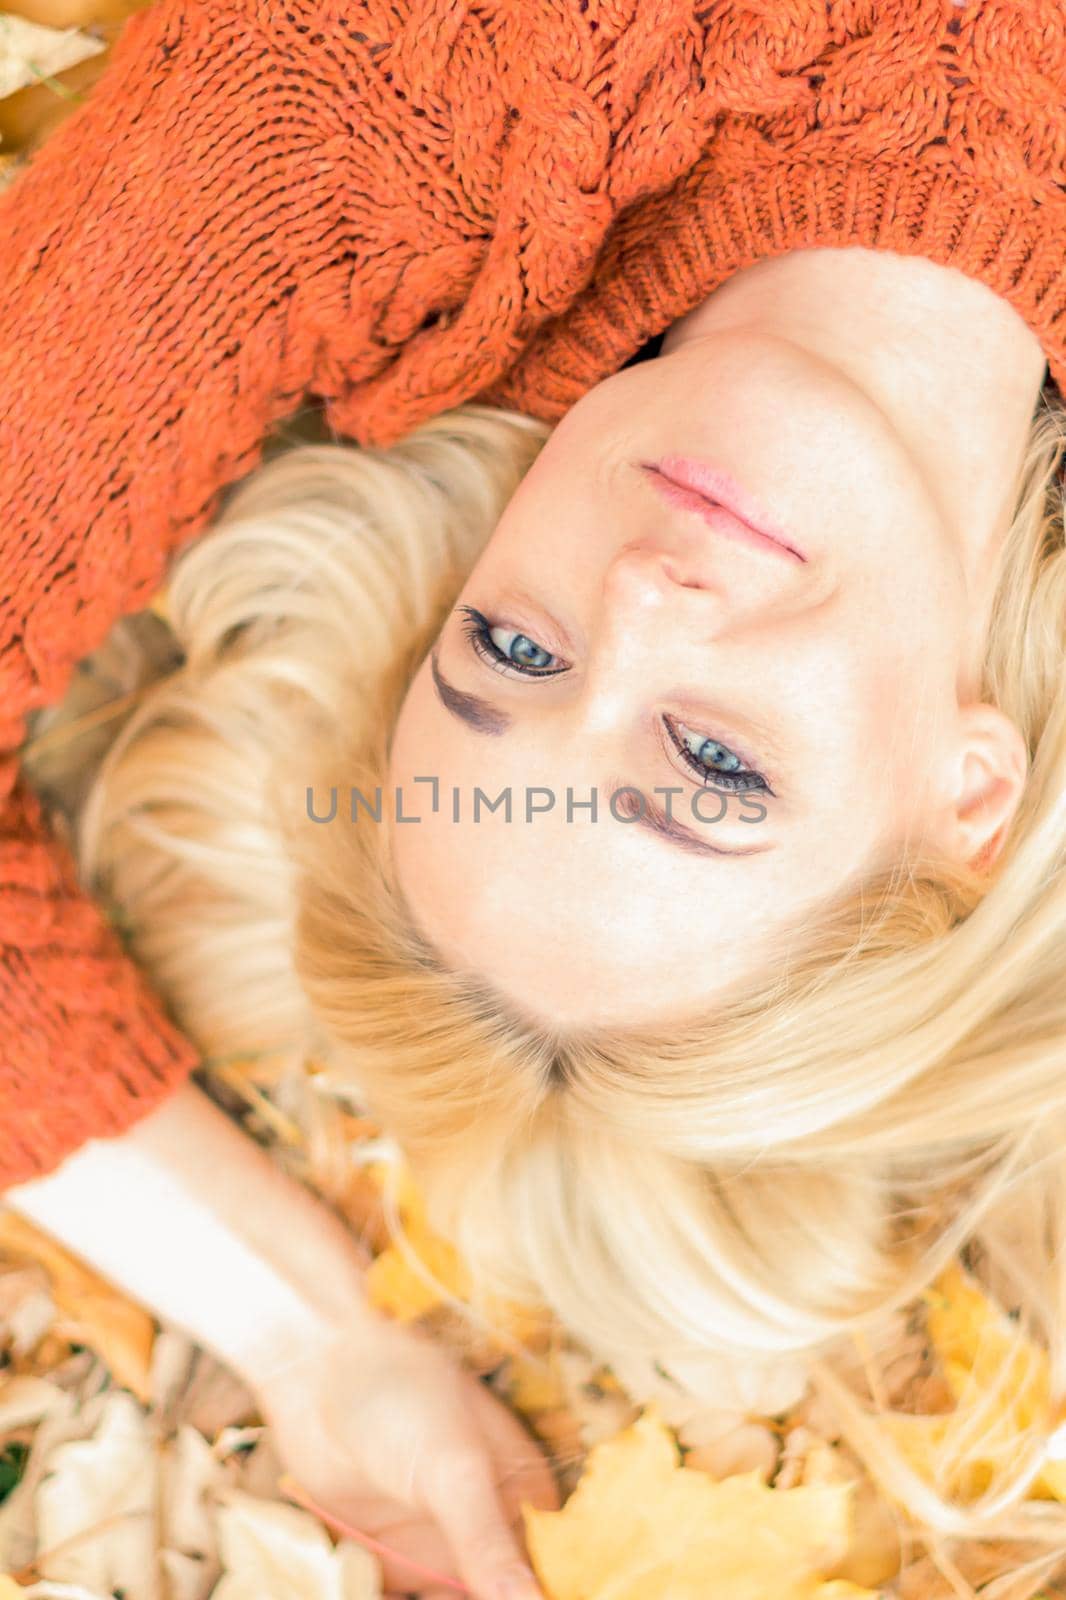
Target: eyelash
{"type": "Point", "coordinates": [478, 630]}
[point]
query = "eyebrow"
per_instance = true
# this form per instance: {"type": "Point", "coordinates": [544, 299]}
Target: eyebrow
{"type": "Point", "coordinates": [479, 714]}
{"type": "Point", "coordinates": [485, 718]}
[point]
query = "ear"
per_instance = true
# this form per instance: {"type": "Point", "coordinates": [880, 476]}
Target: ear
{"type": "Point", "coordinates": [983, 784]}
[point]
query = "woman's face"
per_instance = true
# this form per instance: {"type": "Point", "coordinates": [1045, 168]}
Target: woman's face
{"type": "Point", "coordinates": [814, 690]}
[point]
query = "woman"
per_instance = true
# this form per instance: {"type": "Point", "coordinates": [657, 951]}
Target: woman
{"type": "Point", "coordinates": [849, 233]}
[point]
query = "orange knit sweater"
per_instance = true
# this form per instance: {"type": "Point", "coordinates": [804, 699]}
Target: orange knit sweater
{"type": "Point", "coordinates": [400, 205]}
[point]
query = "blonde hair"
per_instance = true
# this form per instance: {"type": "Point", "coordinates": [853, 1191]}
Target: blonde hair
{"type": "Point", "coordinates": [727, 1201]}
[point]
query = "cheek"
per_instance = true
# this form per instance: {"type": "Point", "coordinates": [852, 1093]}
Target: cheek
{"type": "Point", "coordinates": [886, 785]}
{"type": "Point", "coordinates": [418, 741]}
{"type": "Point", "coordinates": [435, 859]}
{"type": "Point", "coordinates": [430, 878]}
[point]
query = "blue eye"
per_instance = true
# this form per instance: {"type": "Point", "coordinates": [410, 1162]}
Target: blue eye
{"type": "Point", "coordinates": [714, 763]}
{"type": "Point", "coordinates": [522, 653]}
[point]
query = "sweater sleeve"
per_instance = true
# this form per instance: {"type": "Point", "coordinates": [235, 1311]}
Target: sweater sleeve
{"type": "Point", "coordinates": [147, 343]}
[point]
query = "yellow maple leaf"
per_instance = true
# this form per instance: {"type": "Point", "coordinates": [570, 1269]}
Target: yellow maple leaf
{"type": "Point", "coordinates": [640, 1526]}
{"type": "Point", "coordinates": [404, 1289]}
{"type": "Point", "coordinates": [535, 1385]}
{"type": "Point", "coordinates": [92, 1312]}
{"type": "Point", "coordinates": [1001, 1383]}
{"type": "Point", "coordinates": [406, 1279]}
{"type": "Point", "coordinates": [407, 1288]}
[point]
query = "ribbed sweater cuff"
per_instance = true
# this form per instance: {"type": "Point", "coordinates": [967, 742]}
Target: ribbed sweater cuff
{"type": "Point", "coordinates": [702, 232]}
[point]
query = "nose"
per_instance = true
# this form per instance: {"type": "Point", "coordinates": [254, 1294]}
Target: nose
{"type": "Point", "coordinates": [655, 578]}
{"type": "Point", "coordinates": [670, 605]}
{"type": "Point", "coordinates": [662, 603]}
{"type": "Point", "coordinates": [651, 599]}
{"type": "Point", "coordinates": [652, 609]}
{"type": "Point", "coordinates": [644, 573]}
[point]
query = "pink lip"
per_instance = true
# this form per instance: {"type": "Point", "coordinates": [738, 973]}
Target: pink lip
{"type": "Point", "coordinates": [721, 502]}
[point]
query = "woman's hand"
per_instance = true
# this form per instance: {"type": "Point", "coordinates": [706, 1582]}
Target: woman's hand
{"type": "Point", "coordinates": [382, 1429]}
{"type": "Point", "coordinates": [387, 1433]}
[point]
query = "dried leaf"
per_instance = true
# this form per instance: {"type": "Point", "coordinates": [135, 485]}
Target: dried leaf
{"type": "Point", "coordinates": [50, 1591]}
{"type": "Point", "coordinates": [744, 1447]}
{"type": "Point", "coordinates": [642, 1527]}
{"type": "Point", "coordinates": [18, 1514]}
{"type": "Point", "coordinates": [276, 1552]}
{"type": "Point", "coordinates": [27, 1309]}
{"type": "Point", "coordinates": [1000, 1382]}
{"type": "Point", "coordinates": [93, 1312]}
{"type": "Point", "coordinates": [30, 52]}
{"type": "Point", "coordinates": [190, 1472]}
{"type": "Point", "coordinates": [406, 1289]}
{"type": "Point", "coordinates": [190, 1386]}
{"type": "Point", "coordinates": [96, 1507]}
{"type": "Point", "coordinates": [533, 1386]}
{"type": "Point", "coordinates": [25, 1400]}
{"type": "Point", "coordinates": [710, 1382]}
{"type": "Point", "coordinates": [186, 1578]}
{"type": "Point", "coordinates": [876, 1545]}
{"type": "Point", "coordinates": [419, 1271]}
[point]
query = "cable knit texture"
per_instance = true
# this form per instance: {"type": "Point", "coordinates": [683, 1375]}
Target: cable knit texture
{"type": "Point", "coordinates": [401, 205]}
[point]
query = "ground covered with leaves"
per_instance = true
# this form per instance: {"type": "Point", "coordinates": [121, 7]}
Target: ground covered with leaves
{"type": "Point", "coordinates": [133, 1464]}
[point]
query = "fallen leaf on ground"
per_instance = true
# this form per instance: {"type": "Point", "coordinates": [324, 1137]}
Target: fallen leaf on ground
{"type": "Point", "coordinates": [96, 1506]}
{"type": "Point", "coordinates": [30, 52]}
{"type": "Point", "coordinates": [276, 1552]}
{"type": "Point", "coordinates": [25, 1400]}
{"type": "Point", "coordinates": [49, 1591]}
{"type": "Point", "coordinates": [410, 1277]}
{"type": "Point", "coordinates": [420, 1271]}
{"type": "Point", "coordinates": [92, 1311]}
{"type": "Point", "coordinates": [1001, 1384]}
{"type": "Point", "coordinates": [642, 1527]}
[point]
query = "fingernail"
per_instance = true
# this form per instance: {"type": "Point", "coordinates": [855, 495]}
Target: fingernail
{"type": "Point", "coordinates": [520, 1584]}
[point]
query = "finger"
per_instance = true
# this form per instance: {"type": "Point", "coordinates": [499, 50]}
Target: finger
{"type": "Point", "coordinates": [413, 1550]}
{"type": "Point", "coordinates": [522, 1472]}
{"type": "Point", "coordinates": [461, 1494]}
{"type": "Point", "coordinates": [527, 1483]}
